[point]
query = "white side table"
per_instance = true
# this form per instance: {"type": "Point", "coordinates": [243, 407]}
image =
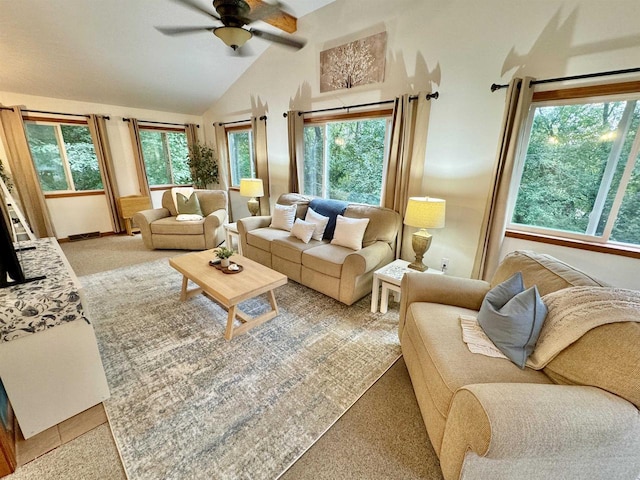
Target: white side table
{"type": "Point", "coordinates": [390, 277]}
{"type": "Point", "coordinates": [231, 232]}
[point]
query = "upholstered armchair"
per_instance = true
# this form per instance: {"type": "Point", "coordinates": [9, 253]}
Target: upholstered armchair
{"type": "Point", "coordinates": [160, 228]}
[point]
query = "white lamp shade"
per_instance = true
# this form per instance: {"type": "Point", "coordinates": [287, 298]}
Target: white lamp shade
{"type": "Point", "coordinates": [233, 36]}
{"type": "Point", "coordinates": [425, 212]}
{"type": "Point", "coordinates": [251, 187]}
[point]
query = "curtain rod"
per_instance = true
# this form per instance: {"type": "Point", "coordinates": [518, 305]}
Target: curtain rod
{"type": "Point", "coordinates": [221, 124]}
{"type": "Point", "coordinates": [495, 86]}
{"type": "Point", "coordinates": [55, 113]}
{"type": "Point", "coordinates": [159, 123]}
{"type": "Point", "coordinates": [429, 96]}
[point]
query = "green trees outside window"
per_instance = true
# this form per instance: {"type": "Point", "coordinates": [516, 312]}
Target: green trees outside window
{"type": "Point", "coordinates": [64, 156]}
{"type": "Point", "coordinates": [241, 159]}
{"type": "Point", "coordinates": [344, 160]}
{"type": "Point", "coordinates": [580, 172]}
{"type": "Point", "coordinates": [166, 157]}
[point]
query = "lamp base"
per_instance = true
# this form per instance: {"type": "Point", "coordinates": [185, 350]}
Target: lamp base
{"type": "Point", "coordinates": [420, 241]}
{"type": "Point", "coordinates": [254, 207]}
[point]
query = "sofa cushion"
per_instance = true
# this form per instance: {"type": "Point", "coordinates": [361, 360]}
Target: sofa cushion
{"type": "Point", "coordinates": [171, 226]}
{"type": "Point", "coordinates": [512, 318]}
{"type": "Point", "coordinates": [447, 362]}
{"type": "Point", "coordinates": [326, 259]}
{"type": "Point", "coordinates": [607, 357]}
{"type": "Point", "coordinates": [262, 237]}
{"type": "Point", "coordinates": [547, 273]}
{"type": "Point", "coordinates": [301, 201]}
{"type": "Point", "coordinates": [320, 222]}
{"type": "Point", "coordinates": [383, 223]}
{"type": "Point", "coordinates": [349, 232]}
{"type": "Point", "coordinates": [188, 205]}
{"type": "Point", "coordinates": [290, 248]}
{"type": "Point", "coordinates": [328, 208]}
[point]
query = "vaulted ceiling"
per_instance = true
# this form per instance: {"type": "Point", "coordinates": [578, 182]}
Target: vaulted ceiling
{"type": "Point", "coordinates": [109, 51]}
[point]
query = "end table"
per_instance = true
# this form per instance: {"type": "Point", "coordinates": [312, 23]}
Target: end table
{"type": "Point", "coordinates": [231, 232]}
{"type": "Point", "coordinates": [390, 277]}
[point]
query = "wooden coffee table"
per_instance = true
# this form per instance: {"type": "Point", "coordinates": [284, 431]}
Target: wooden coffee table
{"type": "Point", "coordinates": [229, 290]}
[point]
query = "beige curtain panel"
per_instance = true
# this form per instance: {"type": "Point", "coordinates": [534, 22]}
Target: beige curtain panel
{"type": "Point", "coordinates": [410, 123]}
{"type": "Point", "coordinates": [191, 132]}
{"type": "Point", "coordinates": [295, 129]}
{"type": "Point", "coordinates": [259, 127]}
{"type": "Point", "coordinates": [136, 145]}
{"type": "Point", "coordinates": [24, 174]}
{"type": "Point", "coordinates": [223, 157]}
{"type": "Point", "coordinates": [98, 129]}
{"type": "Point", "coordinates": [517, 104]}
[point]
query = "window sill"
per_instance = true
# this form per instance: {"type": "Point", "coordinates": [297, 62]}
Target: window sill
{"type": "Point", "coordinates": [623, 251]}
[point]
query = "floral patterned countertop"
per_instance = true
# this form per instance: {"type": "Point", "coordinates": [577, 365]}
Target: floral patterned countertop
{"type": "Point", "coordinates": [42, 304]}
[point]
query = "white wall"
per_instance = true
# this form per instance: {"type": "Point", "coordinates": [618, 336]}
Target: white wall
{"type": "Point", "coordinates": [458, 48]}
{"type": "Point", "coordinates": [90, 213]}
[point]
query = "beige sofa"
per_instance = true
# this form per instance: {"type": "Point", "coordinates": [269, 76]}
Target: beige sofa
{"type": "Point", "coordinates": [161, 230]}
{"type": "Point", "coordinates": [486, 418]}
{"type": "Point", "coordinates": [336, 271]}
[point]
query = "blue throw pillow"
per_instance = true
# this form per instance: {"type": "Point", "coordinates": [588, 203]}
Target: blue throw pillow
{"type": "Point", "coordinates": [513, 319]}
{"type": "Point", "coordinates": [328, 208]}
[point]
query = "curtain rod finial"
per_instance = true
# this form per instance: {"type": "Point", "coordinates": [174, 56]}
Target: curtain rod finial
{"type": "Point", "coordinates": [284, 114]}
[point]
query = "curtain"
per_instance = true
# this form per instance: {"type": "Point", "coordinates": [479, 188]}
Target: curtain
{"type": "Point", "coordinates": [191, 132]}
{"type": "Point", "coordinates": [98, 129]}
{"type": "Point", "coordinates": [143, 182]}
{"type": "Point", "coordinates": [24, 174]}
{"type": "Point", "coordinates": [295, 128]}
{"type": "Point", "coordinates": [259, 127]}
{"type": "Point", "coordinates": [517, 103]}
{"type": "Point", "coordinates": [223, 157]}
{"type": "Point", "coordinates": [405, 167]}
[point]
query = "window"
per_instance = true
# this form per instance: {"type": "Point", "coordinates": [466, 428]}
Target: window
{"type": "Point", "coordinates": [64, 156]}
{"type": "Point", "coordinates": [241, 158]}
{"type": "Point", "coordinates": [578, 176]}
{"type": "Point", "coordinates": [344, 158]}
{"type": "Point", "coordinates": [166, 156]}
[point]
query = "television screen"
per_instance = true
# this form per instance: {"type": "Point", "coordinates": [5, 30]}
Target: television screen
{"type": "Point", "coordinates": [10, 269]}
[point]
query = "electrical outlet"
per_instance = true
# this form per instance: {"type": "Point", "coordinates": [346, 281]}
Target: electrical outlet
{"type": "Point", "coordinates": [444, 264]}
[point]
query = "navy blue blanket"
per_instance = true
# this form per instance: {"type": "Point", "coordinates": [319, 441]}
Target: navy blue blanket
{"type": "Point", "coordinates": [328, 208]}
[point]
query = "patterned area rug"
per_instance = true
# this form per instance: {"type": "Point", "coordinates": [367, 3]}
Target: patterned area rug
{"type": "Point", "coordinates": [186, 404]}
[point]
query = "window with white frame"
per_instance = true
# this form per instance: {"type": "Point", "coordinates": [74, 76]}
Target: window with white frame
{"type": "Point", "coordinates": [241, 157]}
{"type": "Point", "coordinates": [578, 175]}
{"type": "Point", "coordinates": [344, 156]}
{"type": "Point", "coordinates": [166, 156]}
{"type": "Point", "coordinates": [63, 155]}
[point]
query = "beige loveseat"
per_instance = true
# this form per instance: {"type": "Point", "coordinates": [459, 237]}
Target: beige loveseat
{"type": "Point", "coordinates": [488, 419]}
{"type": "Point", "coordinates": [161, 230]}
{"type": "Point", "coordinates": [336, 271]}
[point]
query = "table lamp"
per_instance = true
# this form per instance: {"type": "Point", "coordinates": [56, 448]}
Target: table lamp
{"type": "Point", "coordinates": [423, 212]}
{"type": "Point", "coordinates": [252, 187]}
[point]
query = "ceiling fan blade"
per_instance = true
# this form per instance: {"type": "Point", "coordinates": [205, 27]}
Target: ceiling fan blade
{"type": "Point", "coordinates": [193, 5]}
{"type": "Point", "coordinates": [271, 37]}
{"type": "Point", "coordinates": [174, 31]}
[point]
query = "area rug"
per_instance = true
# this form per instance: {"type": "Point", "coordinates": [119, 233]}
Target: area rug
{"type": "Point", "coordinates": [187, 404]}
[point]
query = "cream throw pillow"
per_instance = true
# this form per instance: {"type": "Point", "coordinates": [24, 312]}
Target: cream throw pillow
{"type": "Point", "coordinates": [349, 232]}
{"type": "Point", "coordinates": [303, 230]}
{"type": "Point", "coordinates": [283, 217]}
{"type": "Point", "coordinates": [320, 222]}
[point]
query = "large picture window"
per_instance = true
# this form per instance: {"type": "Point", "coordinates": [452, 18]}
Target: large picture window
{"type": "Point", "coordinates": [166, 156]}
{"type": "Point", "coordinates": [344, 157]}
{"type": "Point", "coordinates": [241, 157]}
{"type": "Point", "coordinates": [64, 156]}
{"type": "Point", "coordinates": [578, 175]}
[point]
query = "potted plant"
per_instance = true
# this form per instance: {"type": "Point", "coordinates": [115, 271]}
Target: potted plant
{"type": "Point", "coordinates": [203, 165]}
{"type": "Point", "coordinates": [223, 253]}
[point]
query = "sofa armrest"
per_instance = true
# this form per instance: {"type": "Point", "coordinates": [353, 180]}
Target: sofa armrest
{"type": "Point", "coordinates": [519, 430]}
{"type": "Point", "coordinates": [143, 220]}
{"type": "Point", "coordinates": [366, 259]}
{"type": "Point", "coordinates": [213, 232]}
{"type": "Point", "coordinates": [251, 223]}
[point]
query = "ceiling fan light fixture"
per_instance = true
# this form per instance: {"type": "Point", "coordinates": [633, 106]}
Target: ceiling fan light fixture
{"type": "Point", "coordinates": [235, 37]}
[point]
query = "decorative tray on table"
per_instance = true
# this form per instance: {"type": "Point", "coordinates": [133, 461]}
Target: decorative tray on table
{"type": "Point", "coordinates": [228, 269]}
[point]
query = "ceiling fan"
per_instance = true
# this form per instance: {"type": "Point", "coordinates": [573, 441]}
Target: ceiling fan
{"type": "Point", "coordinates": [234, 16]}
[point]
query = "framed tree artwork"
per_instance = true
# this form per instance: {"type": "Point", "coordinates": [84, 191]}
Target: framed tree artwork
{"type": "Point", "coordinates": [356, 63]}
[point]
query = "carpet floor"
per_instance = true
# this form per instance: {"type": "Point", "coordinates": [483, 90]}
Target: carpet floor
{"type": "Point", "coordinates": [185, 403]}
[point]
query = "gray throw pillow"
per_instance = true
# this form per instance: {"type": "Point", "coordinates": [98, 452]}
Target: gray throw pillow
{"type": "Point", "coordinates": [188, 206]}
{"type": "Point", "coordinates": [512, 318]}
